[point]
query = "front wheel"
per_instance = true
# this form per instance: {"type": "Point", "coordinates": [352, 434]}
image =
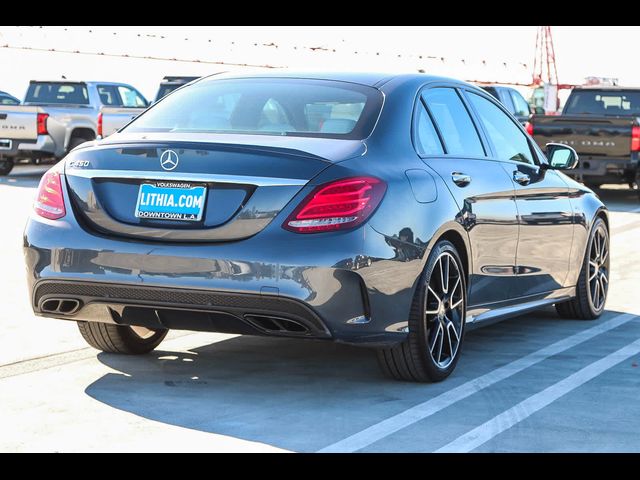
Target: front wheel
{"type": "Point", "coordinates": [593, 284]}
{"type": "Point", "coordinates": [121, 338]}
{"type": "Point", "coordinates": [436, 323]}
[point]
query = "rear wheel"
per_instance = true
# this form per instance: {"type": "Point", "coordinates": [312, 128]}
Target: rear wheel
{"type": "Point", "coordinates": [121, 338]}
{"type": "Point", "coordinates": [436, 324]}
{"type": "Point", "coordinates": [6, 165]}
{"type": "Point", "coordinates": [593, 284]}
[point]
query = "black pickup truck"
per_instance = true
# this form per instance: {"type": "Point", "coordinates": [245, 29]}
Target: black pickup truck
{"type": "Point", "coordinates": [603, 125]}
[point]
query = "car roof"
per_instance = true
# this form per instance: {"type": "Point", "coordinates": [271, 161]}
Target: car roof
{"type": "Point", "coordinates": [372, 79]}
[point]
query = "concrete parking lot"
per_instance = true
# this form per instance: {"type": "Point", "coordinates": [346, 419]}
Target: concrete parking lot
{"type": "Point", "coordinates": [534, 383]}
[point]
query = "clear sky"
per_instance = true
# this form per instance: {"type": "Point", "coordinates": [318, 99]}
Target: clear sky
{"type": "Point", "coordinates": [471, 53]}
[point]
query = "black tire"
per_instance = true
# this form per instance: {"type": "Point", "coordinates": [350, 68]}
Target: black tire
{"type": "Point", "coordinates": [6, 165]}
{"type": "Point", "coordinates": [412, 360]}
{"type": "Point", "coordinates": [582, 306]}
{"type": "Point", "coordinates": [75, 141]}
{"type": "Point", "coordinates": [119, 338]}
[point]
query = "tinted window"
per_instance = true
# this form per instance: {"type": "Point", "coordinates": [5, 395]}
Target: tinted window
{"type": "Point", "coordinates": [426, 138]}
{"type": "Point", "coordinates": [4, 100]}
{"type": "Point", "coordinates": [268, 107]}
{"type": "Point", "coordinates": [509, 142]}
{"type": "Point", "coordinates": [166, 89]}
{"type": "Point", "coordinates": [452, 119]}
{"type": "Point", "coordinates": [520, 104]}
{"type": "Point", "coordinates": [603, 102]}
{"type": "Point", "coordinates": [54, 92]}
{"type": "Point", "coordinates": [108, 95]}
{"type": "Point", "coordinates": [130, 98]}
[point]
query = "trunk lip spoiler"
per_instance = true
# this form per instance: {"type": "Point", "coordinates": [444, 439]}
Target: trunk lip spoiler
{"type": "Point", "coordinates": [186, 177]}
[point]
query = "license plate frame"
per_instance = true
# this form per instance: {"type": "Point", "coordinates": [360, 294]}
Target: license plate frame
{"type": "Point", "coordinates": [173, 201]}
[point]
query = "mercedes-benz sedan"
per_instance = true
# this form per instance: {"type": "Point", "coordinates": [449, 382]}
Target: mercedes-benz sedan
{"type": "Point", "coordinates": [391, 211]}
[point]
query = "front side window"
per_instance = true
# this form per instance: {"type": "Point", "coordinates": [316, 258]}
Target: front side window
{"type": "Point", "coordinates": [454, 123]}
{"type": "Point", "coordinates": [267, 106]}
{"type": "Point", "coordinates": [129, 98]}
{"type": "Point", "coordinates": [509, 142]}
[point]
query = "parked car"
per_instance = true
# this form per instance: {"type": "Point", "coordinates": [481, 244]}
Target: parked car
{"type": "Point", "coordinates": [386, 211]}
{"type": "Point", "coordinates": [602, 124]}
{"type": "Point", "coordinates": [513, 100]}
{"type": "Point", "coordinates": [169, 84]}
{"type": "Point", "coordinates": [57, 116]}
{"type": "Point", "coordinates": [6, 99]}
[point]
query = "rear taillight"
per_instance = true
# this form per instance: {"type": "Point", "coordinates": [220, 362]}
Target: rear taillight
{"type": "Point", "coordinates": [50, 202]}
{"type": "Point", "coordinates": [338, 205]}
{"type": "Point", "coordinates": [529, 127]}
{"type": "Point", "coordinates": [42, 123]}
{"type": "Point", "coordinates": [635, 139]}
{"type": "Point", "coordinates": [99, 126]}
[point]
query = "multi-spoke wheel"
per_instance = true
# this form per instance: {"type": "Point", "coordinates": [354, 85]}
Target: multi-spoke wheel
{"type": "Point", "coordinates": [121, 338]}
{"type": "Point", "coordinates": [593, 283]}
{"type": "Point", "coordinates": [436, 324]}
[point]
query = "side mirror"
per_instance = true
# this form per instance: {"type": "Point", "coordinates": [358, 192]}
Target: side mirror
{"type": "Point", "coordinates": [561, 157]}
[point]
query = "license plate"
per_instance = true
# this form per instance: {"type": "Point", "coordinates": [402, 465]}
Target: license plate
{"type": "Point", "coordinates": [171, 201]}
{"type": "Point", "coordinates": [5, 144]}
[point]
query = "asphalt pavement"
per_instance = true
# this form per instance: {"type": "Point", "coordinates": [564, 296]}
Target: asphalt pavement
{"type": "Point", "coordinates": [536, 383]}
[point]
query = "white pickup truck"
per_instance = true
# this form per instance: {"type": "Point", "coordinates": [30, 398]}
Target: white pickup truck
{"type": "Point", "coordinates": [57, 116]}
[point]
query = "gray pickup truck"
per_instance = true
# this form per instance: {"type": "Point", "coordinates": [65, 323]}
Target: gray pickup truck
{"type": "Point", "coordinates": [57, 116]}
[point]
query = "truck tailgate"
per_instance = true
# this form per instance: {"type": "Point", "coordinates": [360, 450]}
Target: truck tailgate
{"type": "Point", "coordinates": [18, 122]}
{"type": "Point", "coordinates": [114, 118]}
{"type": "Point", "coordinates": [588, 134]}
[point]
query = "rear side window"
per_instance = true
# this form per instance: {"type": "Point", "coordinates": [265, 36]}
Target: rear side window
{"type": "Point", "coordinates": [55, 92]}
{"type": "Point", "coordinates": [509, 142]}
{"type": "Point", "coordinates": [521, 105]}
{"type": "Point", "coordinates": [426, 137]}
{"type": "Point", "coordinates": [108, 95]}
{"type": "Point", "coordinates": [454, 123]}
{"type": "Point", "coordinates": [277, 106]}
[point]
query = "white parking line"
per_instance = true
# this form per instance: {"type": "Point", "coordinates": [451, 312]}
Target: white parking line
{"type": "Point", "coordinates": [507, 419]}
{"type": "Point", "coordinates": [423, 410]}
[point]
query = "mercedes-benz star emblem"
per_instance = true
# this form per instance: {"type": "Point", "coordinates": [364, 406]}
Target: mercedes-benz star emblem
{"type": "Point", "coordinates": [169, 160]}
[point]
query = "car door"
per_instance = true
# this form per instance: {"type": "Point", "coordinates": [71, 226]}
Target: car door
{"type": "Point", "coordinates": [451, 144]}
{"type": "Point", "coordinates": [542, 197]}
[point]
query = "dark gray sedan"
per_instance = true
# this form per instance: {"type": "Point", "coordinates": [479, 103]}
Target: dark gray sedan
{"type": "Point", "coordinates": [392, 211]}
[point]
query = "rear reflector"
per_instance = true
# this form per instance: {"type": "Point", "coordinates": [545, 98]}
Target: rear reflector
{"type": "Point", "coordinates": [50, 202]}
{"type": "Point", "coordinates": [42, 123]}
{"type": "Point", "coordinates": [635, 138]}
{"type": "Point", "coordinates": [338, 205]}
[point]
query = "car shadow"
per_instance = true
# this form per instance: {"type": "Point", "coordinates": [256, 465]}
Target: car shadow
{"type": "Point", "coordinates": [299, 395]}
{"type": "Point", "coordinates": [619, 198]}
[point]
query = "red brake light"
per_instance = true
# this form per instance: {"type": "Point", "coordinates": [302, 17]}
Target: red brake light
{"type": "Point", "coordinates": [529, 127]}
{"type": "Point", "coordinates": [337, 205]}
{"type": "Point", "coordinates": [42, 123]}
{"type": "Point", "coordinates": [99, 126]}
{"type": "Point", "coordinates": [635, 138]}
{"type": "Point", "coordinates": [50, 202]}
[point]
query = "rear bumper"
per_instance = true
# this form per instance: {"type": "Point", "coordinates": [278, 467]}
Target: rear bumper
{"type": "Point", "coordinates": [604, 170]}
{"type": "Point", "coordinates": [43, 146]}
{"type": "Point", "coordinates": [348, 287]}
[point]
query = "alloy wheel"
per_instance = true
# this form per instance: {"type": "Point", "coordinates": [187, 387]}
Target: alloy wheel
{"type": "Point", "coordinates": [444, 310]}
{"type": "Point", "coordinates": [599, 269]}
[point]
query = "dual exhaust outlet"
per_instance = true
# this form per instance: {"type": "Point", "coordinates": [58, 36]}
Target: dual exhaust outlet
{"type": "Point", "coordinates": [60, 306]}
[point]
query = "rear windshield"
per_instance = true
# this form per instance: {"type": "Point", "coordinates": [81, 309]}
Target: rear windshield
{"type": "Point", "coordinates": [54, 92]}
{"type": "Point", "coordinates": [292, 107]}
{"type": "Point", "coordinates": [603, 102]}
{"type": "Point", "coordinates": [166, 89]}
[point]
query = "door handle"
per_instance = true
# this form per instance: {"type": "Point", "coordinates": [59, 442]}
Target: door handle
{"type": "Point", "coordinates": [461, 179]}
{"type": "Point", "coordinates": [521, 178]}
